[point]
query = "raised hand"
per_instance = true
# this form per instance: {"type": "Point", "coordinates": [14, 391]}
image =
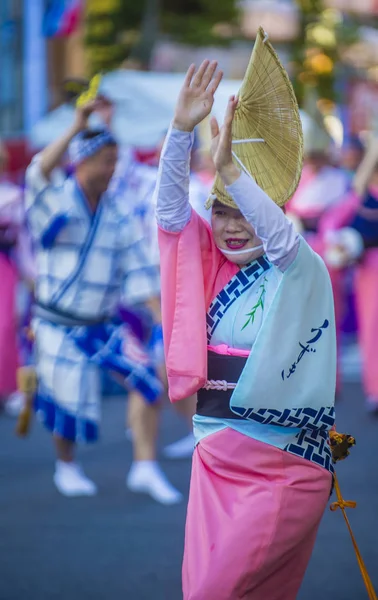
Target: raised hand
{"type": "Point", "coordinates": [105, 109]}
{"type": "Point", "coordinates": [84, 111]}
{"type": "Point", "coordinates": [196, 97]}
{"type": "Point", "coordinates": [52, 156]}
{"type": "Point", "coordinates": [221, 144]}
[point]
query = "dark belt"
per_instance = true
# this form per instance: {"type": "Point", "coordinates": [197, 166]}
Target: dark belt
{"type": "Point", "coordinates": [59, 317]}
{"type": "Point", "coordinates": [222, 370]}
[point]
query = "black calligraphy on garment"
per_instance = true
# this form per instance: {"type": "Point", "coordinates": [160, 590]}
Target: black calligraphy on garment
{"type": "Point", "coordinates": [306, 348]}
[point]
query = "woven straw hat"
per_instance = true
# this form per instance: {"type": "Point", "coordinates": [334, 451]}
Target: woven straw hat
{"type": "Point", "coordinates": [267, 111]}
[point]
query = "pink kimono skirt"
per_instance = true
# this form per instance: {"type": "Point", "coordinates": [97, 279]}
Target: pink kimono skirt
{"type": "Point", "coordinates": [8, 330]}
{"type": "Point", "coordinates": [253, 515]}
{"type": "Point", "coordinates": [367, 315]}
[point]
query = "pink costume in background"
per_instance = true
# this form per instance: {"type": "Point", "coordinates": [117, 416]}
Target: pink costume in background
{"type": "Point", "coordinates": [366, 293]}
{"type": "Point", "coordinates": [254, 509]}
{"type": "Point", "coordinates": [15, 259]}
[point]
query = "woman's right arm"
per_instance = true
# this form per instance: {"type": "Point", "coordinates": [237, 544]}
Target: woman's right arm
{"type": "Point", "coordinates": [194, 104]}
{"type": "Point", "coordinates": [172, 188]}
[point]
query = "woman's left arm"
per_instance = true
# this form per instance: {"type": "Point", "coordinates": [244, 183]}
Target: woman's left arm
{"type": "Point", "coordinates": [276, 232]}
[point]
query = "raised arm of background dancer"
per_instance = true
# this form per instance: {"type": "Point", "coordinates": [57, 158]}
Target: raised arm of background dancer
{"type": "Point", "coordinates": [194, 104]}
{"type": "Point", "coordinates": [366, 168]}
{"type": "Point", "coordinates": [276, 232]}
{"type": "Point", "coordinates": [52, 155]}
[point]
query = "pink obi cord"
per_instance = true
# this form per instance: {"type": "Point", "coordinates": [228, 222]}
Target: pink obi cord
{"type": "Point", "coordinates": [223, 385]}
{"type": "Point", "coordinates": [227, 350]}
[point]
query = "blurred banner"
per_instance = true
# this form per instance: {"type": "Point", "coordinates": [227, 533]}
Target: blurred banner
{"type": "Point", "coordinates": [62, 17]}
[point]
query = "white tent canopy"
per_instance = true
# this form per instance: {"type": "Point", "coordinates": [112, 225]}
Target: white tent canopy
{"type": "Point", "coordinates": [144, 104]}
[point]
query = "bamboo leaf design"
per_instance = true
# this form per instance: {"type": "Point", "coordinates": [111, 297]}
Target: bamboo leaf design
{"type": "Point", "coordinates": [259, 304]}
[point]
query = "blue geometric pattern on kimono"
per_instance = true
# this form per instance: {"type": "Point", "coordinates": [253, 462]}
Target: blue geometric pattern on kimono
{"type": "Point", "coordinates": [303, 418]}
{"type": "Point", "coordinates": [313, 446]}
{"type": "Point", "coordinates": [60, 421]}
{"type": "Point", "coordinates": [240, 283]}
{"type": "Point", "coordinates": [311, 442]}
{"type": "Point", "coordinates": [104, 344]}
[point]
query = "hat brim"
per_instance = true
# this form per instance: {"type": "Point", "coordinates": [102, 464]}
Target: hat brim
{"type": "Point", "coordinates": [267, 110]}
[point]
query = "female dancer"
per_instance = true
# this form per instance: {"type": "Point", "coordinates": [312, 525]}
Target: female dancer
{"type": "Point", "coordinates": [265, 374]}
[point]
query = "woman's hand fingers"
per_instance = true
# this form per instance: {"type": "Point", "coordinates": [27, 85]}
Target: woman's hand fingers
{"type": "Point", "coordinates": [230, 112]}
{"type": "Point", "coordinates": [214, 128]}
{"type": "Point", "coordinates": [215, 82]}
{"type": "Point", "coordinates": [197, 80]}
{"type": "Point", "coordinates": [189, 76]}
{"type": "Point", "coordinates": [208, 74]}
{"type": "Point", "coordinates": [226, 132]}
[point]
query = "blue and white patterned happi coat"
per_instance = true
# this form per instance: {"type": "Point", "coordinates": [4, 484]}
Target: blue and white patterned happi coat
{"type": "Point", "coordinates": [86, 263]}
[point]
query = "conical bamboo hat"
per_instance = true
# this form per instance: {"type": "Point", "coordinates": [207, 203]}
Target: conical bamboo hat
{"type": "Point", "coordinates": [267, 110]}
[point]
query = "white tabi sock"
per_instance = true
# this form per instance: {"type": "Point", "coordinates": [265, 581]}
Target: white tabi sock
{"type": "Point", "coordinates": [146, 476]}
{"type": "Point", "coordinates": [14, 404]}
{"type": "Point", "coordinates": [71, 481]}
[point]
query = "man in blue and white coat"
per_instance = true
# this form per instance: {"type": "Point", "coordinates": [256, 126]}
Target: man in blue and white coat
{"type": "Point", "coordinates": [90, 256]}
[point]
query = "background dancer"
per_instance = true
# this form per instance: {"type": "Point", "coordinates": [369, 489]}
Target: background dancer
{"type": "Point", "coordinates": [87, 248]}
{"type": "Point", "coordinates": [358, 245]}
{"type": "Point", "coordinates": [134, 182]}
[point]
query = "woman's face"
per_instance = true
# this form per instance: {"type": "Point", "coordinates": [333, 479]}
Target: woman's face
{"type": "Point", "coordinates": [232, 233]}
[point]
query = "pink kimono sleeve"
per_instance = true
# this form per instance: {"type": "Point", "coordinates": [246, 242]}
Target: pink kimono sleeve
{"type": "Point", "coordinates": [193, 271]}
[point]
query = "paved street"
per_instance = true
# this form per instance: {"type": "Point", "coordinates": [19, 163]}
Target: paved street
{"type": "Point", "coordinates": [119, 546]}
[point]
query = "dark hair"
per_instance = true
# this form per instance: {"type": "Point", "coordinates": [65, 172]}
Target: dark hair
{"type": "Point", "coordinates": [216, 203]}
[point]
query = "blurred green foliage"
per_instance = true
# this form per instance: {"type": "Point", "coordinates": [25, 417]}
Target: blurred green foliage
{"type": "Point", "coordinates": [128, 28]}
{"type": "Point", "coordinates": [317, 51]}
